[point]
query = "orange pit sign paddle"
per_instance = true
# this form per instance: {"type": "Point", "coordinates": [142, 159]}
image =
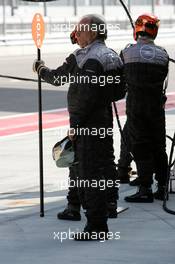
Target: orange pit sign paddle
{"type": "Point", "coordinates": [38, 30]}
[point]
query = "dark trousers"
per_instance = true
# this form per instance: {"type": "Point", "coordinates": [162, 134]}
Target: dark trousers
{"type": "Point", "coordinates": [95, 167]}
{"type": "Point", "coordinates": [72, 196]}
{"type": "Point", "coordinates": [148, 145]}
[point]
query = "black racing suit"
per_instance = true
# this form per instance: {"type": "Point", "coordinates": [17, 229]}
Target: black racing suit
{"type": "Point", "coordinates": [145, 69]}
{"type": "Point", "coordinates": [89, 106]}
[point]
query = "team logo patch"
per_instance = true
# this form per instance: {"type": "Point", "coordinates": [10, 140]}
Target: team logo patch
{"type": "Point", "coordinates": [147, 52]}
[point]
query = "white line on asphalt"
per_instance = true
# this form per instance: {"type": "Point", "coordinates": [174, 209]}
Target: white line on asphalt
{"type": "Point", "coordinates": [2, 138]}
{"type": "Point", "coordinates": [34, 113]}
{"type": "Point", "coordinates": [34, 123]}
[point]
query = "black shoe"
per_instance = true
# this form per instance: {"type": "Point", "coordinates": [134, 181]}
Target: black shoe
{"type": "Point", "coordinates": [93, 233]}
{"type": "Point", "coordinates": [135, 182]}
{"type": "Point", "coordinates": [112, 210]}
{"type": "Point", "coordinates": [160, 193]}
{"type": "Point", "coordinates": [144, 195]}
{"type": "Point", "coordinates": [69, 214]}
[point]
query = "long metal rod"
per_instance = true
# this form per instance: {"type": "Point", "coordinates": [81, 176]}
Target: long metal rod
{"type": "Point", "coordinates": [170, 163]}
{"type": "Point", "coordinates": [129, 6]}
{"type": "Point", "coordinates": [4, 18]}
{"type": "Point", "coordinates": [40, 142]}
{"type": "Point", "coordinates": [153, 6]}
{"type": "Point", "coordinates": [45, 8]}
{"type": "Point", "coordinates": [75, 7]}
{"type": "Point", "coordinates": [127, 12]}
{"type": "Point", "coordinates": [121, 131]}
{"type": "Point", "coordinates": [103, 6]}
{"type": "Point", "coordinates": [19, 78]}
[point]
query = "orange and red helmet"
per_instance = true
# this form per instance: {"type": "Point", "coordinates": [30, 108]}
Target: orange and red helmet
{"type": "Point", "coordinates": [148, 24]}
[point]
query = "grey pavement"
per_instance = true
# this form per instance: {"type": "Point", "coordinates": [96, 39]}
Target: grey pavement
{"type": "Point", "coordinates": [147, 233]}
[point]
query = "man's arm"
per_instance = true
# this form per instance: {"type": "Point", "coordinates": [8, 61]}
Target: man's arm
{"type": "Point", "coordinates": [58, 76]}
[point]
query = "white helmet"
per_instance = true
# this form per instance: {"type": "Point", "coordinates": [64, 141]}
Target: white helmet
{"type": "Point", "coordinates": [63, 153]}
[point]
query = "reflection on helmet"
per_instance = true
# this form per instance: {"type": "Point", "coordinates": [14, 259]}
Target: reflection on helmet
{"type": "Point", "coordinates": [146, 24]}
{"type": "Point", "coordinates": [63, 153]}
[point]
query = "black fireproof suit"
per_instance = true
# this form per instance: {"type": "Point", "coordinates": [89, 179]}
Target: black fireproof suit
{"type": "Point", "coordinates": [145, 69]}
{"type": "Point", "coordinates": [89, 106]}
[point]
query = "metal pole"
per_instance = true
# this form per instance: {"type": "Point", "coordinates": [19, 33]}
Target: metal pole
{"type": "Point", "coordinates": [40, 141]}
{"type": "Point", "coordinates": [87, 2]}
{"type": "Point", "coordinates": [12, 11]}
{"type": "Point", "coordinates": [75, 7]}
{"type": "Point", "coordinates": [45, 8]}
{"type": "Point", "coordinates": [103, 6]}
{"type": "Point", "coordinates": [4, 21]}
{"type": "Point", "coordinates": [153, 6]}
{"type": "Point", "coordinates": [129, 6]}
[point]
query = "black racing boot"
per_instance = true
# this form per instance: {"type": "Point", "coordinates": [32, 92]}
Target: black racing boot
{"type": "Point", "coordinates": [71, 213]}
{"type": "Point", "coordinates": [144, 195]}
{"type": "Point", "coordinates": [112, 210]}
{"type": "Point", "coordinates": [160, 193]}
{"type": "Point", "coordinates": [135, 182]}
{"type": "Point", "coordinates": [93, 231]}
{"type": "Point", "coordinates": [124, 174]}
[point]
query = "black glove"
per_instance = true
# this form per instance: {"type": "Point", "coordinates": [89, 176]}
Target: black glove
{"type": "Point", "coordinates": [37, 64]}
